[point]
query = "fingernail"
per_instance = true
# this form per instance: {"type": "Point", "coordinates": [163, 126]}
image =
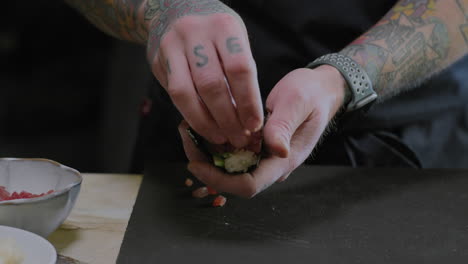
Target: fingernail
{"type": "Point", "coordinates": [200, 192]}
{"type": "Point", "coordinates": [192, 168]}
{"type": "Point", "coordinates": [211, 191]}
{"type": "Point", "coordinates": [284, 147]}
{"type": "Point", "coordinates": [253, 124]}
{"type": "Point", "coordinates": [283, 178]}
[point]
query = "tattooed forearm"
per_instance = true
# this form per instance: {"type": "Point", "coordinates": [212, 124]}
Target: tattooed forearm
{"type": "Point", "coordinates": [463, 5]}
{"type": "Point", "coordinates": [119, 18]}
{"type": "Point", "coordinates": [171, 10]}
{"type": "Point", "coordinates": [416, 39]}
{"type": "Point", "coordinates": [152, 9]}
{"type": "Point", "coordinates": [132, 19]}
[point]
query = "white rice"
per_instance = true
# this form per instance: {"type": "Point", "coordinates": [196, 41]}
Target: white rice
{"type": "Point", "coordinates": [240, 161]}
{"type": "Point", "coordinates": [9, 253]}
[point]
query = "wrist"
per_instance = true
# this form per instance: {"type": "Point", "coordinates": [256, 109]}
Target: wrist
{"type": "Point", "coordinates": [356, 77]}
{"type": "Point", "coordinates": [337, 85]}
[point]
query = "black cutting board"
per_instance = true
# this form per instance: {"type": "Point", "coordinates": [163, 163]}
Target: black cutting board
{"type": "Point", "coordinates": [319, 215]}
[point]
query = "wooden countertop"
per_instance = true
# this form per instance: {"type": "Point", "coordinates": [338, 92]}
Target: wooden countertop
{"type": "Point", "coordinates": [94, 231]}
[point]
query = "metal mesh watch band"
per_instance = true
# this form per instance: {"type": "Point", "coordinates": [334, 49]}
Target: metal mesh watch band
{"type": "Point", "coordinates": [358, 81]}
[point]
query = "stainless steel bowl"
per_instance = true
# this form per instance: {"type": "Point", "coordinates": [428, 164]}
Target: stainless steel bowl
{"type": "Point", "coordinates": [44, 214]}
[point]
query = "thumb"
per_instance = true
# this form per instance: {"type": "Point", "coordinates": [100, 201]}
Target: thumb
{"type": "Point", "coordinates": [286, 117]}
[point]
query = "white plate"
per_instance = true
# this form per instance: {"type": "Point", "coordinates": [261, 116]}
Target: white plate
{"type": "Point", "coordinates": [33, 248]}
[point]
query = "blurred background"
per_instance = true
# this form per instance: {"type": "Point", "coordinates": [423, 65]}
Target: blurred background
{"type": "Point", "coordinates": [68, 91]}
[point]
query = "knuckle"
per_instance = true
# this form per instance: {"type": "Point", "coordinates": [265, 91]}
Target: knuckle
{"type": "Point", "coordinates": [206, 131]}
{"type": "Point", "coordinates": [209, 86]}
{"type": "Point", "coordinates": [236, 141]}
{"type": "Point", "coordinates": [167, 41]}
{"type": "Point", "coordinates": [239, 68]}
{"type": "Point", "coordinates": [177, 93]}
{"type": "Point", "coordinates": [247, 108]}
{"type": "Point", "coordinates": [224, 20]}
{"type": "Point", "coordinates": [187, 24]}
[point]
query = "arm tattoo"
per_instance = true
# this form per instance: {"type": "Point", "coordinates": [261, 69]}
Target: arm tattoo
{"type": "Point", "coordinates": [119, 18]}
{"type": "Point", "coordinates": [170, 10]}
{"type": "Point", "coordinates": [152, 9]}
{"type": "Point", "coordinates": [412, 42]}
{"type": "Point", "coordinates": [463, 5]}
{"type": "Point", "coordinates": [203, 57]}
{"type": "Point", "coordinates": [233, 47]}
{"type": "Point", "coordinates": [130, 19]}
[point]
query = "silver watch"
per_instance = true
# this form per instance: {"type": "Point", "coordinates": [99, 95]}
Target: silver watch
{"type": "Point", "coordinates": [358, 81]}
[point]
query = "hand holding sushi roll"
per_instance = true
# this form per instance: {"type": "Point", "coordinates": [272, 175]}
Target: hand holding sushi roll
{"type": "Point", "coordinates": [228, 157]}
{"type": "Point", "coordinates": [301, 106]}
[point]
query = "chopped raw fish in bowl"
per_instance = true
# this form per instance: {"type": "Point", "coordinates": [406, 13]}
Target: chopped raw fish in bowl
{"type": "Point", "coordinates": [36, 195]}
{"type": "Point", "coordinates": [6, 196]}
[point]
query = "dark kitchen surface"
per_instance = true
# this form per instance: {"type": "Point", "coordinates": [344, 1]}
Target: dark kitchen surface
{"type": "Point", "coordinates": [319, 215]}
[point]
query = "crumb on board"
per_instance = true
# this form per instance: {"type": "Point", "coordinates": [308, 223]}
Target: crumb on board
{"type": "Point", "coordinates": [204, 191]}
{"type": "Point", "coordinates": [200, 192]}
{"type": "Point", "coordinates": [188, 182]}
{"type": "Point", "coordinates": [219, 201]}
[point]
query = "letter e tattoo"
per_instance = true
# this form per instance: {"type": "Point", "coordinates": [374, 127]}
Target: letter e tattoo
{"type": "Point", "coordinates": [233, 47]}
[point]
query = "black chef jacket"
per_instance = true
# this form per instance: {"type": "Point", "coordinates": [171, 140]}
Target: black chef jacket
{"type": "Point", "coordinates": [424, 127]}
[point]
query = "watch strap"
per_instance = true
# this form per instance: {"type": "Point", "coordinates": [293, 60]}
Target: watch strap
{"type": "Point", "coordinates": [359, 83]}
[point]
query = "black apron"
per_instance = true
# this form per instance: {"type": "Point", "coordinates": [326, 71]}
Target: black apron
{"type": "Point", "coordinates": [424, 127]}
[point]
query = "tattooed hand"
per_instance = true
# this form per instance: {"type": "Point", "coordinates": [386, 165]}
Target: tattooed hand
{"type": "Point", "coordinates": [291, 131]}
{"type": "Point", "coordinates": [199, 51]}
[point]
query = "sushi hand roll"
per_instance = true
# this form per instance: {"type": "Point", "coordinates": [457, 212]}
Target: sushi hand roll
{"type": "Point", "coordinates": [227, 157]}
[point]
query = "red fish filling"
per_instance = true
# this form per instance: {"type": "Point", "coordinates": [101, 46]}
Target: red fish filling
{"type": "Point", "coordinates": [6, 196]}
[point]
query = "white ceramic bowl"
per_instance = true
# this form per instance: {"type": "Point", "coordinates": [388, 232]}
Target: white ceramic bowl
{"type": "Point", "coordinates": [44, 214]}
{"type": "Point", "coordinates": [29, 247]}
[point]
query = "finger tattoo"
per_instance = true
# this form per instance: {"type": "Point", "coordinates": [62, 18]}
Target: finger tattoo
{"type": "Point", "coordinates": [203, 58]}
{"type": "Point", "coordinates": [233, 46]}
